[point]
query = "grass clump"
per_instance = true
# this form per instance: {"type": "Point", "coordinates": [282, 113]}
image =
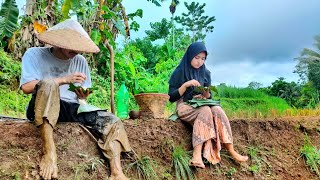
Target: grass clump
{"type": "Point", "coordinates": [180, 161]}
{"type": "Point", "coordinates": [145, 168]}
{"type": "Point", "coordinates": [311, 155]}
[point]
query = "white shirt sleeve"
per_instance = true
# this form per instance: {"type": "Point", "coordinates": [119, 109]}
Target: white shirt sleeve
{"type": "Point", "coordinates": [30, 69]}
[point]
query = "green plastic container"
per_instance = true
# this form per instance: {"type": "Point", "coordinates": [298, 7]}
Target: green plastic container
{"type": "Point", "coordinates": [122, 102]}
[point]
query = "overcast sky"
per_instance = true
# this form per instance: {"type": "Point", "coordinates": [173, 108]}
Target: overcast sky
{"type": "Point", "coordinates": [253, 40]}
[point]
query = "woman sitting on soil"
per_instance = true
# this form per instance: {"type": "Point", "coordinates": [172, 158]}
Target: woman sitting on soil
{"type": "Point", "coordinates": [211, 126]}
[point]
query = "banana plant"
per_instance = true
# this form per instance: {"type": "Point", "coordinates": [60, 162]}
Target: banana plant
{"type": "Point", "coordinates": [9, 17]}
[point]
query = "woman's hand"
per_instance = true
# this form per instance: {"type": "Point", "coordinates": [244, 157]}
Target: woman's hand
{"type": "Point", "coordinates": [199, 96]}
{"type": "Point", "coordinates": [187, 84]}
{"type": "Point", "coordinates": [81, 93]}
{"type": "Point", "coordinates": [190, 83]}
{"type": "Point", "coordinates": [206, 93]}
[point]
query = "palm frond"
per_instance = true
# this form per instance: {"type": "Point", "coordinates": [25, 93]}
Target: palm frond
{"type": "Point", "coordinates": [317, 43]}
{"type": "Point", "coordinates": [310, 52]}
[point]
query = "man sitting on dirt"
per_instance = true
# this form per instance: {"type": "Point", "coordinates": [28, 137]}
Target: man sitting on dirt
{"type": "Point", "coordinates": [47, 73]}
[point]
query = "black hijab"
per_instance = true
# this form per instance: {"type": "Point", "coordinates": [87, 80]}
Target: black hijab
{"type": "Point", "coordinates": [185, 72]}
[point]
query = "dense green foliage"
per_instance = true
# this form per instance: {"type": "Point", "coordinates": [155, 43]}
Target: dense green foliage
{"type": "Point", "coordinates": [13, 103]}
{"type": "Point", "coordinates": [161, 30]}
{"type": "Point", "coordinates": [296, 95]}
{"type": "Point", "coordinates": [9, 70]}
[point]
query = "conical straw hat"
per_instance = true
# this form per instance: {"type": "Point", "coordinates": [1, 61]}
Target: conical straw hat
{"type": "Point", "coordinates": [69, 34]}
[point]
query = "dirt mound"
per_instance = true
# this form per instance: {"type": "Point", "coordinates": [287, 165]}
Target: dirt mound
{"type": "Point", "coordinates": [273, 145]}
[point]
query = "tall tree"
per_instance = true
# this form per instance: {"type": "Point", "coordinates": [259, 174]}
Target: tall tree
{"type": "Point", "coordinates": [288, 91]}
{"type": "Point", "coordinates": [149, 51]}
{"type": "Point", "coordinates": [160, 30]}
{"type": "Point", "coordinates": [308, 66]}
{"type": "Point", "coordinates": [195, 22]}
{"type": "Point", "coordinates": [172, 9]}
{"type": "Point", "coordinates": [254, 85]}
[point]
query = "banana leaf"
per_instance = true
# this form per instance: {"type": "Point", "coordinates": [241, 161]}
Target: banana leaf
{"type": "Point", "coordinates": [9, 21]}
{"type": "Point", "coordinates": [203, 102]}
{"type": "Point", "coordinates": [87, 108]}
{"type": "Point", "coordinates": [72, 88]}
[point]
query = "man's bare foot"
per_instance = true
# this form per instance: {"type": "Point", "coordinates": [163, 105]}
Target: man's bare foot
{"type": "Point", "coordinates": [48, 167]}
{"type": "Point", "coordinates": [48, 164]}
{"type": "Point", "coordinates": [197, 163]}
{"type": "Point", "coordinates": [236, 156]}
{"type": "Point", "coordinates": [118, 177]}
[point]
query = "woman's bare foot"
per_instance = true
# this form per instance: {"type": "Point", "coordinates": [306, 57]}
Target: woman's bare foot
{"type": "Point", "coordinates": [196, 160]}
{"type": "Point", "coordinates": [197, 163]}
{"type": "Point", "coordinates": [236, 156]}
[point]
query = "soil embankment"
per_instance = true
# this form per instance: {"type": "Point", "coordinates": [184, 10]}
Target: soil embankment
{"type": "Point", "coordinates": [274, 146]}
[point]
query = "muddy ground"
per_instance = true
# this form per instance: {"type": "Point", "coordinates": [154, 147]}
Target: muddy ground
{"type": "Point", "coordinates": [274, 146]}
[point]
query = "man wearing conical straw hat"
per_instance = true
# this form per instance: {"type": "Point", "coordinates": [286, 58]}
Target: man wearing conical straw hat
{"type": "Point", "coordinates": [47, 73]}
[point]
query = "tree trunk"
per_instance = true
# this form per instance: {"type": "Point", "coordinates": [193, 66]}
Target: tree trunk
{"type": "Point", "coordinates": [125, 19]}
{"type": "Point", "coordinates": [112, 6]}
{"type": "Point", "coordinates": [106, 42]}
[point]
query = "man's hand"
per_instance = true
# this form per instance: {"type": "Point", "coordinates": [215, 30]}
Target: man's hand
{"type": "Point", "coordinates": [82, 93]}
{"type": "Point", "coordinates": [72, 78]}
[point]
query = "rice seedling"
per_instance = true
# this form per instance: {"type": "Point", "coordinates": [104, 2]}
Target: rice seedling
{"type": "Point", "coordinates": [145, 168]}
{"type": "Point", "coordinates": [180, 161]}
{"type": "Point", "coordinates": [311, 155]}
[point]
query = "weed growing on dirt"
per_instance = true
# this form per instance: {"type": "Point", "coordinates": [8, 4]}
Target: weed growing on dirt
{"type": "Point", "coordinates": [257, 161]}
{"type": "Point", "coordinates": [145, 167]}
{"type": "Point", "coordinates": [230, 172]}
{"type": "Point", "coordinates": [180, 161]}
{"type": "Point", "coordinates": [166, 148]}
{"type": "Point", "coordinates": [311, 155]}
{"type": "Point", "coordinates": [85, 170]}
{"type": "Point", "coordinates": [13, 175]}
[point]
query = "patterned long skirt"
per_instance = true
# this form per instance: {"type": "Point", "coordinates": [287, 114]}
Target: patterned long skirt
{"type": "Point", "coordinates": [211, 127]}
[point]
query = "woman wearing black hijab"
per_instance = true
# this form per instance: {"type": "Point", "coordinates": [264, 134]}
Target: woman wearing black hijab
{"type": "Point", "coordinates": [211, 126]}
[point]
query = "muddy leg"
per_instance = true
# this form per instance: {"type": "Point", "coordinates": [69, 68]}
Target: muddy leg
{"type": "Point", "coordinates": [115, 165]}
{"type": "Point", "coordinates": [236, 156]}
{"type": "Point", "coordinates": [48, 164]}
